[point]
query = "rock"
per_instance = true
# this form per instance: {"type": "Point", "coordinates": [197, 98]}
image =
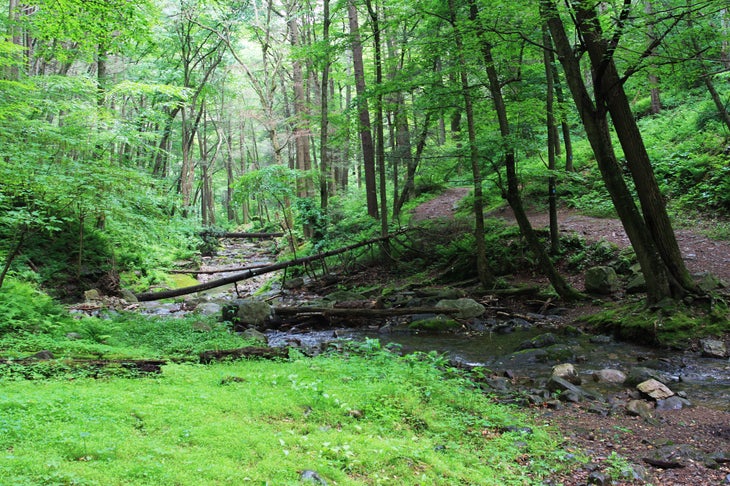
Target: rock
{"type": "Point", "coordinates": [567, 372]}
{"type": "Point", "coordinates": [254, 335]}
{"type": "Point", "coordinates": [601, 280]}
{"type": "Point", "coordinates": [129, 296]}
{"type": "Point", "coordinates": [713, 348]}
{"type": "Point", "coordinates": [311, 477]}
{"type": "Point", "coordinates": [708, 282]}
{"type": "Point", "coordinates": [467, 308]}
{"type": "Point", "coordinates": [42, 355]}
{"type": "Point", "coordinates": [560, 352]}
{"type": "Point", "coordinates": [640, 408]}
{"type": "Point", "coordinates": [601, 339]}
{"type": "Point", "coordinates": [609, 376]}
{"type": "Point", "coordinates": [568, 391]}
{"type": "Point", "coordinates": [638, 374]}
{"type": "Point", "coordinates": [92, 295]}
{"type": "Point", "coordinates": [435, 324]}
{"type": "Point", "coordinates": [636, 285]}
{"type": "Point", "coordinates": [74, 336]}
{"type": "Point", "coordinates": [541, 341]}
{"type": "Point", "coordinates": [679, 455]}
{"type": "Point", "coordinates": [293, 283]}
{"type": "Point", "coordinates": [655, 389]}
{"type": "Point", "coordinates": [599, 478]}
{"type": "Point", "coordinates": [672, 403]}
{"type": "Point", "coordinates": [253, 312]}
{"type": "Point", "coordinates": [208, 309]}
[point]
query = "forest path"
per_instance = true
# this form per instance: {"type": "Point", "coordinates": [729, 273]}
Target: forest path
{"type": "Point", "coordinates": [701, 253]}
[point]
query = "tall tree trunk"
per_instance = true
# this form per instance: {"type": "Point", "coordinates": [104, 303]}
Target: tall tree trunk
{"type": "Point", "coordinates": [301, 133]}
{"type": "Point", "coordinates": [610, 92]}
{"type": "Point", "coordinates": [486, 278]}
{"type": "Point", "coordinates": [366, 136]}
{"type": "Point", "coordinates": [552, 141]}
{"type": "Point", "coordinates": [379, 129]}
{"type": "Point", "coordinates": [513, 193]}
{"type": "Point", "coordinates": [324, 159]}
{"type": "Point", "coordinates": [595, 121]}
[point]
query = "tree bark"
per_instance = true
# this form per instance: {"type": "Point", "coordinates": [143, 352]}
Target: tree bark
{"type": "Point", "coordinates": [609, 91]}
{"type": "Point", "coordinates": [595, 122]}
{"type": "Point", "coordinates": [366, 136]}
{"type": "Point", "coordinates": [166, 294]}
{"type": "Point", "coordinates": [513, 194]}
{"type": "Point", "coordinates": [486, 278]}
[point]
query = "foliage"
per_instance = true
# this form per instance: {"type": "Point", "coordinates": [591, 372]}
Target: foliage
{"type": "Point", "coordinates": [25, 308]}
{"type": "Point", "coordinates": [266, 422]}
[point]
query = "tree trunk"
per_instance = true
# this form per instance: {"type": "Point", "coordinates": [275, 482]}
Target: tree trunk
{"type": "Point", "coordinates": [513, 193]}
{"type": "Point", "coordinates": [595, 122]}
{"type": "Point", "coordinates": [366, 136]}
{"type": "Point", "coordinates": [324, 159]}
{"type": "Point", "coordinates": [301, 133]}
{"type": "Point", "coordinates": [379, 129]}
{"type": "Point", "coordinates": [609, 91]}
{"type": "Point", "coordinates": [552, 141]}
{"type": "Point", "coordinates": [486, 278]}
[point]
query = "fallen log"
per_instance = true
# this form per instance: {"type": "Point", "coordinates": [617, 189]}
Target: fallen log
{"type": "Point", "coordinates": [166, 294]}
{"type": "Point", "coordinates": [138, 365]}
{"type": "Point", "coordinates": [220, 270]}
{"type": "Point", "coordinates": [262, 236]}
{"type": "Point", "coordinates": [360, 311]}
{"type": "Point", "coordinates": [245, 352]}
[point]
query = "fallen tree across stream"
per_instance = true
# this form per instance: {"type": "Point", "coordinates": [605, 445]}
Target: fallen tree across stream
{"type": "Point", "coordinates": [166, 294]}
{"type": "Point", "coordinates": [360, 311]}
{"type": "Point", "coordinates": [261, 236]}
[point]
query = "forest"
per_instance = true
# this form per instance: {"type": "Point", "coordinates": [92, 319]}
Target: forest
{"type": "Point", "coordinates": [362, 164]}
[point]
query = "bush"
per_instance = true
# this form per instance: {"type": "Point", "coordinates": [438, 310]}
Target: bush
{"type": "Point", "coordinates": [24, 308]}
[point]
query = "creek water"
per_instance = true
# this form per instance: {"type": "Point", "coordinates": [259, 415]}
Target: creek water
{"type": "Point", "coordinates": [705, 381]}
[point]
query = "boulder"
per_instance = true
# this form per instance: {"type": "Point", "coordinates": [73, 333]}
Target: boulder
{"type": "Point", "coordinates": [601, 280]}
{"type": "Point", "coordinates": [208, 309]}
{"type": "Point", "coordinates": [567, 372]}
{"type": "Point", "coordinates": [655, 389]}
{"type": "Point", "coordinates": [609, 376]}
{"type": "Point", "coordinates": [713, 348]}
{"type": "Point", "coordinates": [92, 295]}
{"type": "Point", "coordinates": [540, 341]}
{"type": "Point", "coordinates": [467, 308]}
{"type": "Point", "coordinates": [640, 408]}
{"type": "Point", "coordinates": [129, 296]}
{"type": "Point", "coordinates": [253, 312]}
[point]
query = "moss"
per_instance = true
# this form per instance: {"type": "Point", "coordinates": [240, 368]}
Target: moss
{"type": "Point", "coordinates": [180, 280]}
{"type": "Point", "coordinates": [435, 324]}
{"type": "Point", "coordinates": [673, 326]}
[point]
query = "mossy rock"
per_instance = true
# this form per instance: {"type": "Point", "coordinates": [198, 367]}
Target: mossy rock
{"type": "Point", "coordinates": [435, 324]}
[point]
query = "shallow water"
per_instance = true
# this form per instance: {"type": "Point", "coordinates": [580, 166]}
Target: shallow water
{"type": "Point", "coordinates": [705, 381]}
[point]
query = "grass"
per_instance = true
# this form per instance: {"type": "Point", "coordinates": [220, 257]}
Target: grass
{"type": "Point", "coordinates": [363, 417]}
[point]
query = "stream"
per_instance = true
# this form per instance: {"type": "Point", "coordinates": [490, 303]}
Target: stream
{"type": "Point", "coordinates": [702, 380]}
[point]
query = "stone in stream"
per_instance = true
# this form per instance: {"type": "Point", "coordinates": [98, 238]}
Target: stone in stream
{"type": "Point", "coordinates": [541, 341]}
{"type": "Point", "coordinates": [568, 391]}
{"type": "Point", "coordinates": [467, 308]}
{"type": "Point", "coordinates": [609, 376]}
{"type": "Point", "coordinates": [713, 348]}
{"type": "Point", "coordinates": [567, 372]}
{"type": "Point", "coordinates": [655, 389]}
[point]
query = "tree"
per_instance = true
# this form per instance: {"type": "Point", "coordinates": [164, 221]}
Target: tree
{"type": "Point", "coordinates": [486, 278]}
{"type": "Point", "coordinates": [366, 134]}
{"type": "Point", "coordinates": [594, 115]}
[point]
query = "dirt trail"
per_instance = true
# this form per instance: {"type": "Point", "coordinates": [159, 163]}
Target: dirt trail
{"type": "Point", "coordinates": [701, 253]}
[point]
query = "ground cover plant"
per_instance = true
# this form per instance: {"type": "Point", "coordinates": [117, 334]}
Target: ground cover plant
{"type": "Point", "coordinates": [356, 418]}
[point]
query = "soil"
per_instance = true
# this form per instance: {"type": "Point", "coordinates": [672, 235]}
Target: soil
{"type": "Point", "coordinates": [601, 437]}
